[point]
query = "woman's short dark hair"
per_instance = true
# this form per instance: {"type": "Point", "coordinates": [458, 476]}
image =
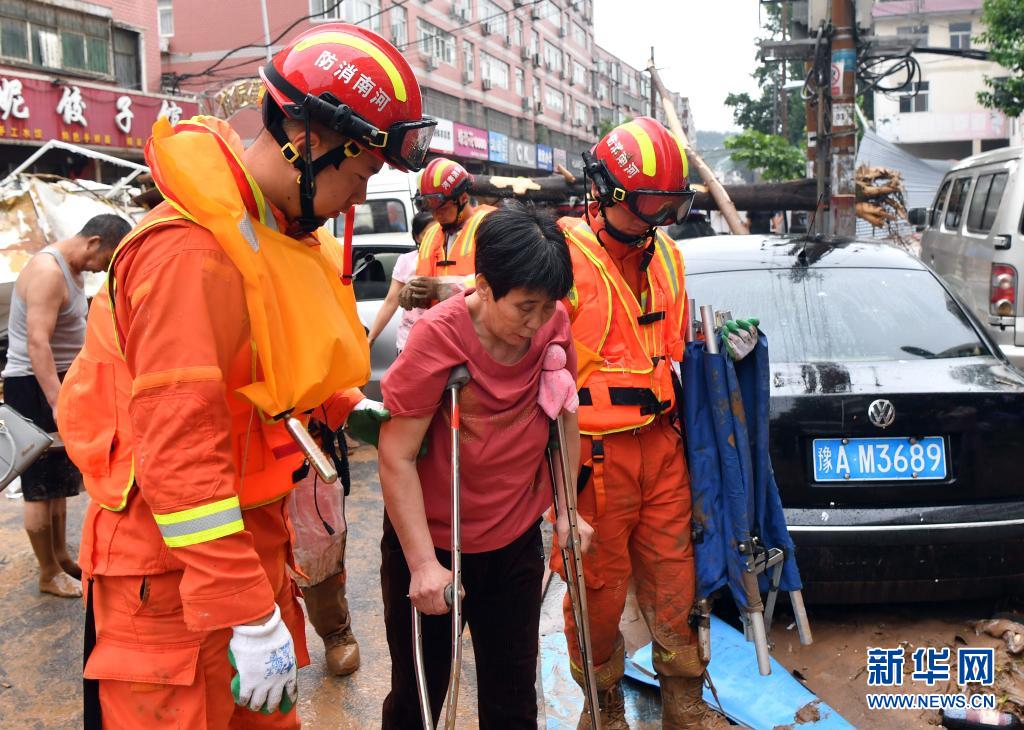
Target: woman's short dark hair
{"type": "Point", "coordinates": [419, 222]}
{"type": "Point", "coordinates": [520, 247]}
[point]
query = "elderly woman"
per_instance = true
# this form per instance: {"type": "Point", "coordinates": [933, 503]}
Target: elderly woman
{"type": "Point", "coordinates": [503, 330]}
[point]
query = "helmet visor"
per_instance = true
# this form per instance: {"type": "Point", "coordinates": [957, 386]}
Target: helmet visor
{"type": "Point", "coordinates": [429, 202]}
{"type": "Point", "coordinates": [659, 207]}
{"type": "Point", "coordinates": [407, 144]}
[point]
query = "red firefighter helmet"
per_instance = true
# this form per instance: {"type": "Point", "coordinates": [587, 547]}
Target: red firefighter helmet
{"type": "Point", "coordinates": [442, 180]}
{"type": "Point", "coordinates": [356, 83]}
{"type": "Point", "coordinates": [642, 164]}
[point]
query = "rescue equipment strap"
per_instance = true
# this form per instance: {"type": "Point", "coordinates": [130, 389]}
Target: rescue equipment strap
{"type": "Point", "coordinates": [201, 524]}
{"type": "Point", "coordinates": [597, 461]}
{"type": "Point", "coordinates": [644, 398]}
{"type": "Point", "coordinates": [650, 318]}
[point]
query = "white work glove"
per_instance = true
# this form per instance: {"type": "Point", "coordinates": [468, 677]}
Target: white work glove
{"type": "Point", "coordinates": [740, 337]}
{"type": "Point", "coordinates": [265, 659]}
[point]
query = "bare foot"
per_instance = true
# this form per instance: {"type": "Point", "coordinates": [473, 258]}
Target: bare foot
{"type": "Point", "coordinates": [70, 567]}
{"type": "Point", "coordinates": [62, 585]}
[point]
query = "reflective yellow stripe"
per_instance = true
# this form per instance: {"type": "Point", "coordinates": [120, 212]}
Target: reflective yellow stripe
{"type": "Point", "coordinates": [366, 47]}
{"type": "Point", "coordinates": [469, 232]}
{"type": "Point", "coordinates": [682, 153]}
{"type": "Point", "coordinates": [670, 266]}
{"type": "Point", "coordinates": [643, 140]}
{"type": "Point", "coordinates": [439, 171]}
{"type": "Point", "coordinates": [200, 524]}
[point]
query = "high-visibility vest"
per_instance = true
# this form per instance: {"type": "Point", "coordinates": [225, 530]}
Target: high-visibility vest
{"type": "Point", "coordinates": [93, 408]}
{"type": "Point", "coordinates": [624, 347]}
{"type": "Point", "coordinates": [460, 259]}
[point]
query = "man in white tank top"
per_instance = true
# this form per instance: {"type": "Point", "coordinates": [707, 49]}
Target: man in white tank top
{"type": "Point", "coordinates": [46, 330]}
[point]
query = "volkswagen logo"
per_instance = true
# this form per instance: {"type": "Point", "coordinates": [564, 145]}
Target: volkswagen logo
{"type": "Point", "coordinates": [882, 413]}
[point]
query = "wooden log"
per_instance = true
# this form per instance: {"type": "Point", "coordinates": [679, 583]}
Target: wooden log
{"type": "Point", "coordinates": [789, 195]}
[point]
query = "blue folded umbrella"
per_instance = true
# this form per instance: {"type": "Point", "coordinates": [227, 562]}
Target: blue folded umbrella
{"type": "Point", "coordinates": [725, 414]}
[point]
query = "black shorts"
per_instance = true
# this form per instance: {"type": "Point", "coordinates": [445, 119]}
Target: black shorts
{"type": "Point", "coordinates": [52, 475]}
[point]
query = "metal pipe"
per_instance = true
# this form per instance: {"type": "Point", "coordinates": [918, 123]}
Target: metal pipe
{"type": "Point", "coordinates": [803, 626]}
{"type": "Point", "coordinates": [456, 381]}
{"type": "Point", "coordinates": [707, 323]}
{"type": "Point", "coordinates": [317, 459]}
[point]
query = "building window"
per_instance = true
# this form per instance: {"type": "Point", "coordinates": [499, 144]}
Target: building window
{"type": "Point", "coordinates": [436, 42]}
{"type": "Point", "coordinates": [463, 10]}
{"type": "Point", "coordinates": [579, 34]}
{"type": "Point", "coordinates": [534, 43]}
{"type": "Point", "coordinates": [960, 35]}
{"type": "Point", "coordinates": [467, 61]}
{"type": "Point", "coordinates": [165, 15]}
{"type": "Point", "coordinates": [536, 95]}
{"type": "Point", "coordinates": [492, 19]}
{"type": "Point", "coordinates": [399, 26]}
{"type": "Point", "coordinates": [554, 99]}
{"type": "Point", "coordinates": [916, 100]}
{"type": "Point", "coordinates": [579, 74]}
{"type": "Point", "coordinates": [517, 32]}
{"type": "Point", "coordinates": [920, 30]}
{"type": "Point", "coordinates": [520, 82]}
{"type": "Point", "coordinates": [580, 113]}
{"type": "Point", "coordinates": [127, 68]}
{"type": "Point", "coordinates": [494, 70]}
{"type": "Point", "coordinates": [552, 57]}
{"type": "Point", "coordinates": [366, 13]}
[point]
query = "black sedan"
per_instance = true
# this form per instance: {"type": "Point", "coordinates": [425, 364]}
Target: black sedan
{"type": "Point", "coordinates": [897, 425]}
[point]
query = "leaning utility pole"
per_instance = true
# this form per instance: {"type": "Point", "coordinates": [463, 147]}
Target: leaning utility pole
{"type": "Point", "coordinates": [843, 198]}
{"type": "Point", "coordinates": [721, 197]}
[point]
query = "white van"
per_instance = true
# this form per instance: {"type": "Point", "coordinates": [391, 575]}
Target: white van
{"type": "Point", "coordinates": [380, 234]}
{"type": "Point", "coordinates": [974, 238]}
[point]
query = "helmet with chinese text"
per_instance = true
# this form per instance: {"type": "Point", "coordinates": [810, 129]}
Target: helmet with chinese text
{"type": "Point", "coordinates": [441, 180]}
{"type": "Point", "coordinates": [642, 165]}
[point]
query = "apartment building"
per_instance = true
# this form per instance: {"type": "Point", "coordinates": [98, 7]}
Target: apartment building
{"type": "Point", "coordinates": [511, 82]}
{"type": "Point", "coordinates": [939, 117]}
{"type": "Point", "coordinates": [87, 73]}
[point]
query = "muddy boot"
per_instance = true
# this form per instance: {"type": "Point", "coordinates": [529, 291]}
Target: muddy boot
{"type": "Point", "coordinates": [683, 707]}
{"type": "Point", "coordinates": [328, 612]}
{"type": "Point", "coordinates": [610, 702]}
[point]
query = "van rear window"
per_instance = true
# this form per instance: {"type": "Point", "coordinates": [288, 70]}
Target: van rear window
{"type": "Point", "coordinates": [985, 202]}
{"type": "Point", "coordinates": [378, 216]}
{"type": "Point", "coordinates": [940, 200]}
{"type": "Point", "coordinates": [957, 200]}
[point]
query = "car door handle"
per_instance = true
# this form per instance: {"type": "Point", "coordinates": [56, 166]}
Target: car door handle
{"type": "Point", "coordinates": [1003, 242]}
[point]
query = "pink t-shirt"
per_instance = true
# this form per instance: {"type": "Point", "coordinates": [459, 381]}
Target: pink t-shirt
{"type": "Point", "coordinates": [405, 269]}
{"type": "Point", "coordinates": [505, 484]}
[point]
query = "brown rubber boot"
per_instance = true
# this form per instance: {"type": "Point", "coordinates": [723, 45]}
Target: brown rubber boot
{"type": "Point", "coordinates": [610, 702]}
{"type": "Point", "coordinates": [328, 612]}
{"type": "Point", "coordinates": [683, 707]}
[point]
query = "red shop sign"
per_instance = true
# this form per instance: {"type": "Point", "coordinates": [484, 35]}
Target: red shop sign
{"type": "Point", "coordinates": [36, 110]}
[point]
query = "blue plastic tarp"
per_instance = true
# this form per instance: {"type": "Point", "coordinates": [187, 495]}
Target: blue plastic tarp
{"type": "Point", "coordinates": [735, 497]}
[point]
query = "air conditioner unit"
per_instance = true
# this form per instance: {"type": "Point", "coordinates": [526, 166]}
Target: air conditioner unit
{"type": "Point", "coordinates": [561, 32]}
{"type": "Point", "coordinates": [467, 77]}
{"type": "Point", "coordinates": [517, 3]}
{"type": "Point", "coordinates": [539, 108]}
{"type": "Point", "coordinates": [524, 53]}
{"type": "Point", "coordinates": [526, 104]}
{"type": "Point", "coordinates": [432, 62]}
{"type": "Point", "coordinates": [485, 29]}
{"type": "Point", "coordinates": [486, 84]}
{"type": "Point", "coordinates": [536, 60]}
{"type": "Point", "coordinates": [572, 81]}
{"type": "Point", "coordinates": [508, 41]}
{"type": "Point", "coordinates": [535, 13]}
{"type": "Point", "coordinates": [165, 44]}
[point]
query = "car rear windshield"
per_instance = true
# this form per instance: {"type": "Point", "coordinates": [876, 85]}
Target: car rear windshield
{"type": "Point", "coordinates": [377, 216]}
{"type": "Point", "coordinates": [828, 315]}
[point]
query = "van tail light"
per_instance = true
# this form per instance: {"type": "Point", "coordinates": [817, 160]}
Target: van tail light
{"type": "Point", "coordinates": [1002, 297]}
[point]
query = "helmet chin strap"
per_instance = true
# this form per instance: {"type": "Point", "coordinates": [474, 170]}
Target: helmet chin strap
{"type": "Point", "coordinates": [454, 225]}
{"type": "Point", "coordinates": [621, 236]}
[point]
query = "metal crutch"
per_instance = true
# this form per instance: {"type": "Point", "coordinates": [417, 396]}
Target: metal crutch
{"type": "Point", "coordinates": [572, 554]}
{"type": "Point", "coordinates": [453, 593]}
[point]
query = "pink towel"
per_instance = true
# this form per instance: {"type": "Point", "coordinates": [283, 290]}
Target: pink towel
{"type": "Point", "coordinates": [557, 384]}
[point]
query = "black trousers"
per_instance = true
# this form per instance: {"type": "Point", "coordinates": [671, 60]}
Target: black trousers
{"type": "Point", "coordinates": [502, 608]}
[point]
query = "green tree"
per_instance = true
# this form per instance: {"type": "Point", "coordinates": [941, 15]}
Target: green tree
{"type": "Point", "coordinates": [760, 111]}
{"type": "Point", "coordinates": [1003, 20]}
{"type": "Point", "coordinates": [773, 155]}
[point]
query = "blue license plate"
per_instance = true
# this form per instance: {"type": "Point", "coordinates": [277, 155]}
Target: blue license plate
{"type": "Point", "coordinates": [879, 459]}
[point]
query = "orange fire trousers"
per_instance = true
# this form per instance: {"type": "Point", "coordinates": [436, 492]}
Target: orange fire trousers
{"type": "Point", "coordinates": [154, 673]}
{"type": "Point", "coordinates": [641, 518]}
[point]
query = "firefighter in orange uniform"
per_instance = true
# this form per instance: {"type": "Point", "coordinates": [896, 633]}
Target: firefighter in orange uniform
{"type": "Point", "coordinates": [448, 246]}
{"type": "Point", "coordinates": [220, 317]}
{"type": "Point", "coordinates": [628, 310]}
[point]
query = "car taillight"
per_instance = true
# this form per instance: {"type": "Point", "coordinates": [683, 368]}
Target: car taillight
{"type": "Point", "coordinates": [1002, 297]}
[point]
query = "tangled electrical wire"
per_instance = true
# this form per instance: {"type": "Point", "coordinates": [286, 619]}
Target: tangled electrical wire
{"type": "Point", "coordinates": [876, 71]}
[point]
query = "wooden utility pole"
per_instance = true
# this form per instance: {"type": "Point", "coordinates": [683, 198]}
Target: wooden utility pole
{"type": "Point", "coordinates": [721, 197]}
{"type": "Point", "coordinates": [784, 109]}
{"type": "Point", "coordinates": [843, 197]}
{"type": "Point", "coordinates": [654, 92]}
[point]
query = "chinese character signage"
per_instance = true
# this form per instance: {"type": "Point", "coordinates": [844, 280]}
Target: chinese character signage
{"type": "Point", "coordinates": [498, 144]}
{"type": "Point", "coordinates": [559, 157]}
{"type": "Point", "coordinates": [443, 140]}
{"type": "Point", "coordinates": [545, 157]}
{"type": "Point", "coordinates": [522, 153]}
{"type": "Point", "coordinates": [470, 141]}
{"type": "Point", "coordinates": [34, 109]}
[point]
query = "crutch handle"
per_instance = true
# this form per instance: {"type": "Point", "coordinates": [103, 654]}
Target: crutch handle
{"type": "Point", "coordinates": [449, 595]}
{"type": "Point", "coordinates": [458, 377]}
